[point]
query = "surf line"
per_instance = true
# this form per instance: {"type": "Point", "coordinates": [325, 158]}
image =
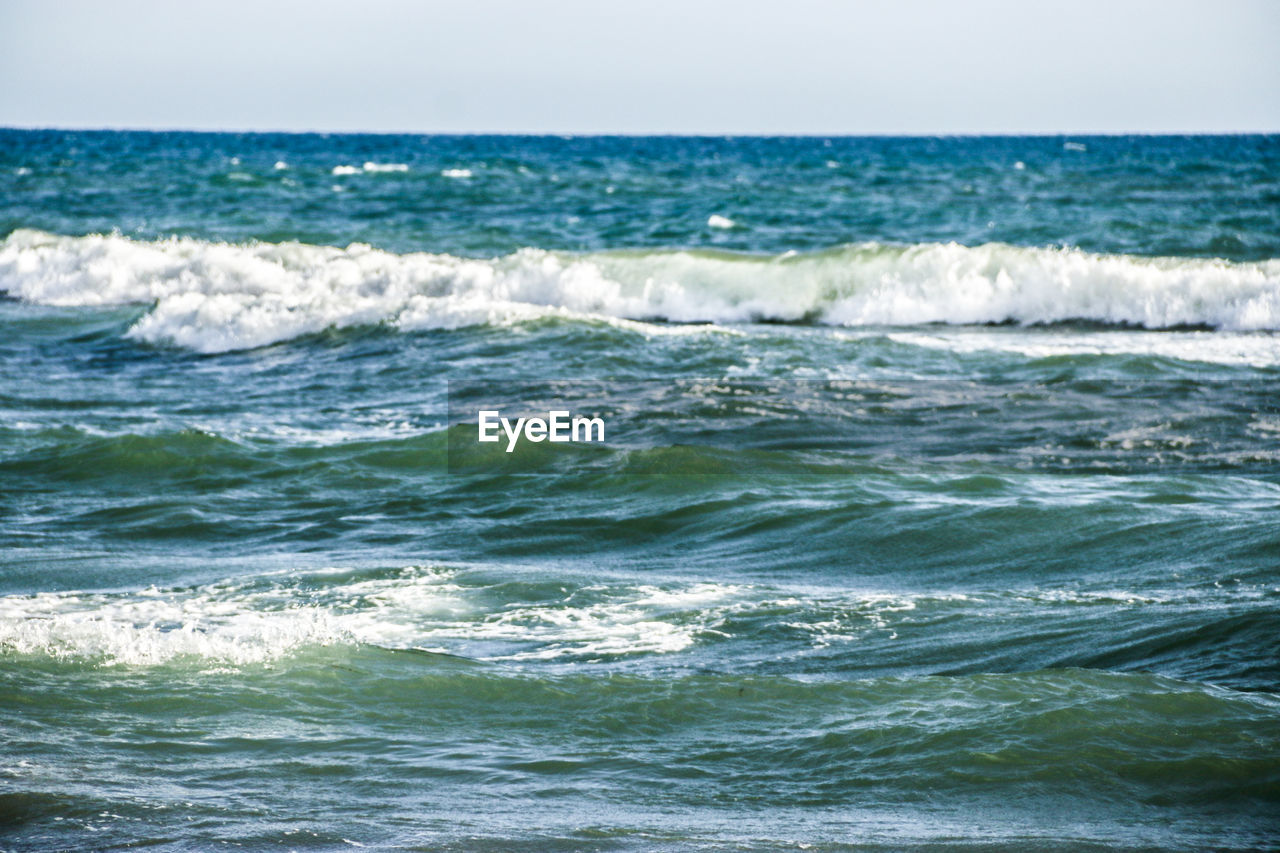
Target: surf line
{"type": "Point", "coordinates": [560, 425]}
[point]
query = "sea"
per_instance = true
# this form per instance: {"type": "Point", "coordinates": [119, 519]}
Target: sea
{"type": "Point", "coordinates": [937, 505]}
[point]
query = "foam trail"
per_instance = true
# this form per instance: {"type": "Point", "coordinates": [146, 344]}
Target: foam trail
{"type": "Point", "coordinates": [262, 619]}
{"type": "Point", "coordinates": [1253, 349]}
{"type": "Point", "coordinates": [214, 297]}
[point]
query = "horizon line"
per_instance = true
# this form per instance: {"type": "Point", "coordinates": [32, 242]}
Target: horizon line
{"type": "Point", "coordinates": [637, 134]}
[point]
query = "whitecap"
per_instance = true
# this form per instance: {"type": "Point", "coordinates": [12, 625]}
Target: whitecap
{"type": "Point", "coordinates": [214, 297]}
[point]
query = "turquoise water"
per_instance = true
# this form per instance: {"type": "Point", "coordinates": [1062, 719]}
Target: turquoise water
{"type": "Point", "coordinates": [939, 508]}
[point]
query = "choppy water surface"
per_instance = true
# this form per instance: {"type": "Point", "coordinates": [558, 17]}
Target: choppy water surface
{"type": "Point", "coordinates": [998, 567]}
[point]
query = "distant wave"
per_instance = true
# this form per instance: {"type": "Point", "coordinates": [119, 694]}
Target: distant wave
{"type": "Point", "coordinates": [369, 166]}
{"type": "Point", "coordinates": [214, 297]}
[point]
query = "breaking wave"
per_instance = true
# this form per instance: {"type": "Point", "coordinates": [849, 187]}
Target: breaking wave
{"type": "Point", "coordinates": [485, 616]}
{"type": "Point", "coordinates": [215, 297]}
{"type": "Point", "coordinates": [261, 619]}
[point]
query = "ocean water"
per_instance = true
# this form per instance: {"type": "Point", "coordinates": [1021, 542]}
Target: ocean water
{"type": "Point", "coordinates": [940, 506]}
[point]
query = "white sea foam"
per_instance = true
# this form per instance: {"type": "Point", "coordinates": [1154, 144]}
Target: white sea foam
{"type": "Point", "coordinates": [154, 628]}
{"type": "Point", "coordinates": [715, 220]}
{"type": "Point", "coordinates": [229, 623]}
{"type": "Point", "coordinates": [368, 167]}
{"type": "Point", "coordinates": [1252, 349]}
{"type": "Point", "coordinates": [456, 173]}
{"type": "Point", "coordinates": [614, 621]}
{"type": "Point", "coordinates": [213, 297]}
{"type": "Point", "coordinates": [262, 619]}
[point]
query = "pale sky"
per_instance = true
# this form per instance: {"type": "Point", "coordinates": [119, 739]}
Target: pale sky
{"type": "Point", "coordinates": [659, 66]}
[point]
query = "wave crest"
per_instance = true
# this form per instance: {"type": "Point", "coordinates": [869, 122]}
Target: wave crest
{"type": "Point", "coordinates": [214, 297]}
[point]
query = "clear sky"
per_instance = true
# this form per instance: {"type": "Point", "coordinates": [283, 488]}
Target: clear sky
{"type": "Point", "coordinates": [658, 66]}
